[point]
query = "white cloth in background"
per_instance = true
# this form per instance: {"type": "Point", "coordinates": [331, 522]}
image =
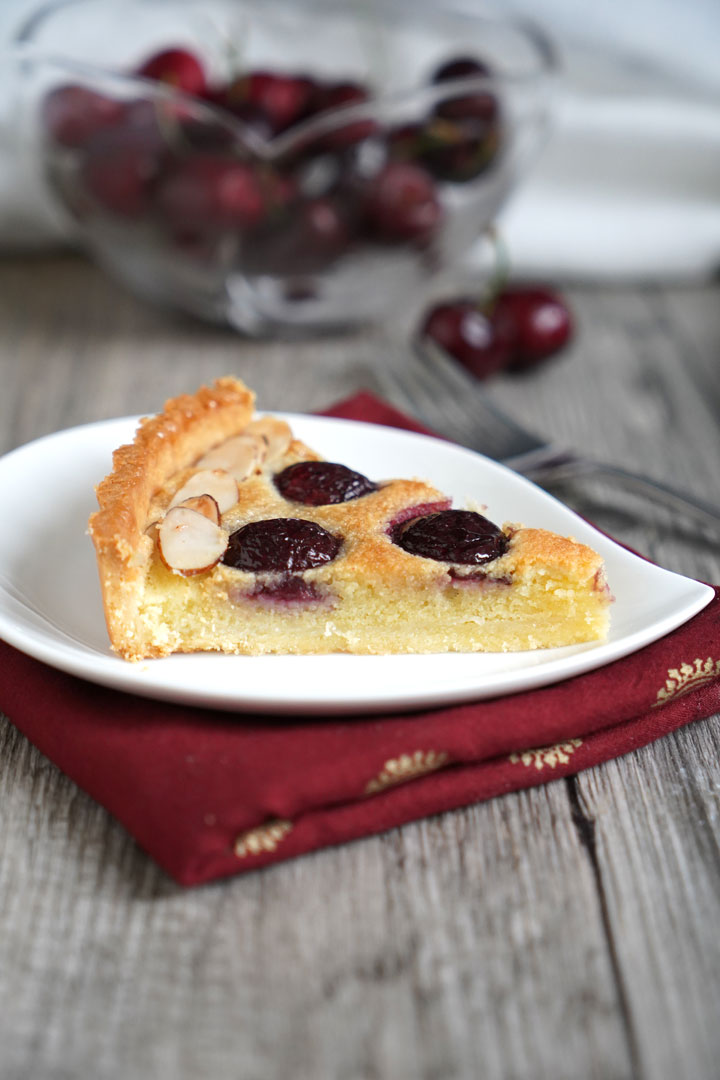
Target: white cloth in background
{"type": "Point", "coordinates": [628, 186]}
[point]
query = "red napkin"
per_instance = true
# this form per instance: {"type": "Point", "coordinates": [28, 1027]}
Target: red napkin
{"type": "Point", "coordinates": [209, 794]}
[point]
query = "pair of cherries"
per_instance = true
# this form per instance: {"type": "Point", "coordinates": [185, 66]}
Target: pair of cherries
{"type": "Point", "coordinates": [520, 328]}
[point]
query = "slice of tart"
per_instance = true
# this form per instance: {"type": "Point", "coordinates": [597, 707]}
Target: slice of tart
{"type": "Point", "coordinates": [218, 530]}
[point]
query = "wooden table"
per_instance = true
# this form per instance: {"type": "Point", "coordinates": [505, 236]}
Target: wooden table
{"type": "Point", "coordinates": [569, 931]}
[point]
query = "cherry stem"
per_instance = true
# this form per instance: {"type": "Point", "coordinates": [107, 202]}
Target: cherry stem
{"type": "Point", "coordinates": [500, 273]}
{"type": "Point", "coordinates": [168, 125]}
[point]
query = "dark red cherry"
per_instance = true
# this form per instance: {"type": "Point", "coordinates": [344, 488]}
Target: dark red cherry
{"type": "Point", "coordinates": [319, 233]}
{"type": "Point", "coordinates": [353, 175]}
{"type": "Point", "coordinates": [120, 170]}
{"type": "Point", "coordinates": [339, 96]}
{"type": "Point", "coordinates": [316, 171]}
{"type": "Point", "coordinates": [204, 135]}
{"type": "Point", "coordinates": [323, 229]}
{"type": "Point", "coordinates": [539, 320]}
{"type": "Point", "coordinates": [283, 98]}
{"type": "Point", "coordinates": [479, 105]}
{"type": "Point", "coordinates": [460, 67]}
{"type": "Point", "coordinates": [148, 116]}
{"type": "Point", "coordinates": [451, 150]}
{"type": "Point", "coordinates": [281, 545]}
{"type": "Point", "coordinates": [405, 143]}
{"type": "Point", "coordinates": [197, 244]}
{"type": "Point", "coordinates": [253, 117]}
{"type": "Point", "coordinates": [177, 68]}
{"type": "Point", "coordinates": [336, 95]}
{"type": "Point", "coordinates": [301, 236]}
{"type": "Point", "coordinates": [322, 483]}
{"type": "Point", "coordinates": [177, 126]}
{"type": "Point", "coordinates": [479, 342]}
{"type": "Point", "coordinates": [215, 191]}
{"type": "Point", "coordinates": [457, 536]}
{"type": "Point", "coordinates": [461, 150]}
{"type": "Point", "coordinates": [402, 203]}
{"type": "Point", "coordinates": [72, 115]}
{"type": "Point", "coordinates": [362, 161]}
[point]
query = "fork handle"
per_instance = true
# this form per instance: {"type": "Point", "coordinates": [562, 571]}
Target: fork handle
{"type": "Point", "coordinates": [569, 469]}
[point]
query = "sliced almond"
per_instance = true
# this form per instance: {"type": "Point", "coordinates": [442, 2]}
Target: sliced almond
{"type": "Point", "coordinates": [276, 433]}
{"type": "Point", "coordinates": [205, 505]}
{"type": "Point", "coordinates": [239, 455]}
{"type": "Point", "coordinates": [189, 542]}
{"type": "Point", "coordinates": [214, 482]}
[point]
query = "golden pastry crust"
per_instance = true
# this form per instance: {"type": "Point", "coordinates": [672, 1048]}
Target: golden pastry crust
{"type": "Point", "coordinates": [531, 550]}
{"type": "Point", "coordinates": [163, 445]}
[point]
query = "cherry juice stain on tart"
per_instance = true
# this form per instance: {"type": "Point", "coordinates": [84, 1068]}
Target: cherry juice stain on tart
{"type": "Point", "coordinates": [409, 513]}
{"type": "Point", "coordinates": [477, 579]}
{"type": "Point", "coordinates": [284, 591]}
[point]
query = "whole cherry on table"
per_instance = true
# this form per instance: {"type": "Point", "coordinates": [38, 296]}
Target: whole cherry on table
{"type": "Point", "coordinates": [519, 327]}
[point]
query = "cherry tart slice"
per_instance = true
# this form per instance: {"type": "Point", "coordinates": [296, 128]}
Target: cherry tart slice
{"type": "Point", "coordinates": [217, 530]}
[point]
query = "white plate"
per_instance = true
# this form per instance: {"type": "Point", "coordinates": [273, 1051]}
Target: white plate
{"type": "Point", "coordinates": [50, 599]}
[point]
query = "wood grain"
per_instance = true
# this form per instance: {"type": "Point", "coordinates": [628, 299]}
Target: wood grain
{"type": "Point", "coordinates": [563, 932]}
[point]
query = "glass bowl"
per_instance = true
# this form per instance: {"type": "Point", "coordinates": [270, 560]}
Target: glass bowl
{"type": "Point", "coordinates": [330, 165]}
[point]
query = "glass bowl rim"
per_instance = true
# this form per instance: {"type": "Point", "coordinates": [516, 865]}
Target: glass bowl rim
{"type": "Point", "coordinates": [319, 125]}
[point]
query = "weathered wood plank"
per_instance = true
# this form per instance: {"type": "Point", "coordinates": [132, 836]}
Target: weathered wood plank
{"type": "Point", "coordinates": [76, 348]}
{"type": "Point", "coordinates": [470, 944]}
{"type": "Point", "coordinates": [654, 814]}
{"type": "Point", "coordinates": [655, 822]}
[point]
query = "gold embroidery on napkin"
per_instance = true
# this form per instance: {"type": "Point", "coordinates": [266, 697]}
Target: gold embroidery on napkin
{"type": "Point", "coordinates": [263, 838]}
{"type": "Point", "coordinates": [406, 767]}
{"type": "Point", "coordinates": [559, 754]}
{"type": "Point", "coordinates": [686, 678]}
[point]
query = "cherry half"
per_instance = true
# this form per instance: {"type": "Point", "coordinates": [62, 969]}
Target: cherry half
{"type": "Point", "coordinates": [457, 536]}
{"type": "Point", "coordinates": [281, 545]}
{"type": "Point", "coordinates": [322, 483]}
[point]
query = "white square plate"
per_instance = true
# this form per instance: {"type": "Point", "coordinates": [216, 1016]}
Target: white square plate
{"type": "Point", "coordinates": [50, 605]}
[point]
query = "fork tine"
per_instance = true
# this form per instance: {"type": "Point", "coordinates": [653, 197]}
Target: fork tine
{"type": "Point", "coordinates": [430, 401]}
{"type": "Point", "coordinates": [451, 401]}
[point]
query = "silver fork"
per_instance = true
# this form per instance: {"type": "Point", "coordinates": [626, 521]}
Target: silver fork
{"type": "Point", "coordinates": [453, 403]}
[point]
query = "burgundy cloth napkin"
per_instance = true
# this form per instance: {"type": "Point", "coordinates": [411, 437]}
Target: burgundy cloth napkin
{"type": "Point", "coordinates": [209, 794]}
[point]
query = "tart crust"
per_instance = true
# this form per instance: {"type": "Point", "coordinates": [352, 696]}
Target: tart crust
{"type": "Point", "coordinates": [375, 597]}
{"type": "Point", "coordinates": [164, 444]}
